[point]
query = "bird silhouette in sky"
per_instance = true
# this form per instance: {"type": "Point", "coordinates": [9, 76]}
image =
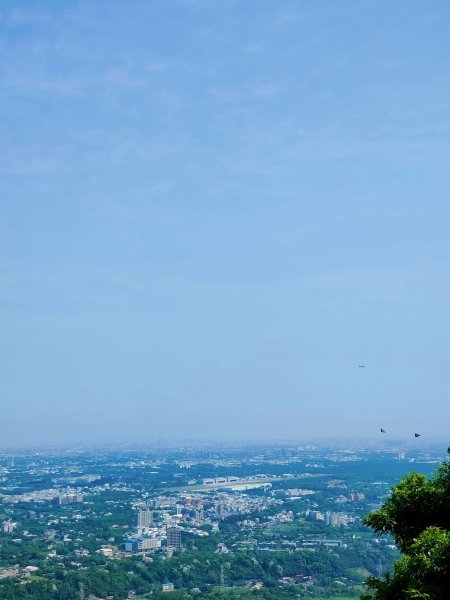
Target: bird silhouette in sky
{"type": "Point", "coordinates": [416, 435]}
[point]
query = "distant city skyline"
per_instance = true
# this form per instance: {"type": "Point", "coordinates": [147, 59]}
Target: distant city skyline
{"type": "Point", "coordinates": [211, 213]}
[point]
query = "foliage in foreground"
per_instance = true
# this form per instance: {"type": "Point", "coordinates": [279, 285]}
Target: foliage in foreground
{"type": "Point", "coordinates": [417, 514]}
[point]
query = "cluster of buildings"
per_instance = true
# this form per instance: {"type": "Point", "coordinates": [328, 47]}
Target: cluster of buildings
{"type": "Point", "coordinates": [149, 536]}
{"type": "Point", "coordinates": [8, 526]}
{"type": "Point", "coordinates": [333, 519]}
{"type": "Point", "coordinates": [171, 522]}
{"type": "Point", "coordinates": [145, 538]}
{"type": "Point", "coordinates": [338, 519]}
{"type": "Point", "coordinates": [181, 505]}
{"type": "Point", "coordinates": [236, 484]}
{"type": "Point", "coordinates": [16, 571]}
{"type": "Point", "coordinates": [67, 496]}
{"type": "Point", "coordinates": [356, 497]}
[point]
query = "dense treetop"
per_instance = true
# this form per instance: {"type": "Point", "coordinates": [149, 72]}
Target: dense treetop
{"type": "Point", "coordinates": [417, 514]}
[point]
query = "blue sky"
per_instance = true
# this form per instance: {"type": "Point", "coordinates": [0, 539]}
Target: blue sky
{"type": "Point", "coordinates": [212, 212]}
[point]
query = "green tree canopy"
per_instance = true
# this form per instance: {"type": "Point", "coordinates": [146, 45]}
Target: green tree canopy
{"type": "Point", "coordinates": [417, 515]}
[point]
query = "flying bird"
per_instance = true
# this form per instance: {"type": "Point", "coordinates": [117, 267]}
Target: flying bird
{"type": "Point", "coordinates": [361, 366]}
{"type": "Point", "coordinates": [417, 435]}
{"type": "Point", "coordinates": [382, 430]}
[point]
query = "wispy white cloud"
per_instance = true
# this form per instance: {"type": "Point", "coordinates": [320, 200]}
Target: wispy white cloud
{"type": "Point", "coordinates": [145, 202]}
{"type": "Point", "coordinates": [111, 80]}
{"type": "Point", "coordinates": [246, 92]}
{"type": "Point", "coordinates": [34, 159]}
{"type": "Point", "coordinates": [48, 85]}
{"type": "Point", "coordinates": [31, 15]}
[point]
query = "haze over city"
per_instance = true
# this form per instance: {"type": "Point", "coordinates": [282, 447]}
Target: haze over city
{"type": "Point", "coordinates": [212, 213]}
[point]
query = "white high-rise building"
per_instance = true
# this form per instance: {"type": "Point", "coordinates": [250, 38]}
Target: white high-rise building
{"type": "Point", "coordinates": [144, 517]}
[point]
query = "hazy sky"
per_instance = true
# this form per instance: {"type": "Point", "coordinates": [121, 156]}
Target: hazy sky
{"type": "Point", "coordinates": [213, 211]}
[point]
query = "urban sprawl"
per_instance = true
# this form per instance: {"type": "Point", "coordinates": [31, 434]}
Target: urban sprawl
{"type": "Point", "coordinates": [135, 523]}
